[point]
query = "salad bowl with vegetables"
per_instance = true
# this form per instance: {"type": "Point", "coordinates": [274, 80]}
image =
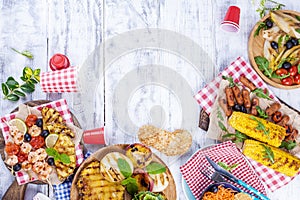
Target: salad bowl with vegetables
{"type": "Point", "coordinates": [274, 49]}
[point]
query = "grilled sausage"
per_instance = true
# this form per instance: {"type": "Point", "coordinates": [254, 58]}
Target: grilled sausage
{"type": "Point", "coordinates": [255, 102]}
{"type": "Point", "coordinates": [229, 96]}
{"type": "Point", "coordinates": [226, 108]}
{"type": "Point", "coordinates": [246, 97]}
{"type": "Point", "coordinates": [273, 108]}
{"type": "Point", "coordinates": [285, 119]}
{"type": "Point", "coordinates": [238, 95]}
{"type": "Point", "coordinates": [247, 83]}
{"type": "Point", "coordinates": [277, 116]}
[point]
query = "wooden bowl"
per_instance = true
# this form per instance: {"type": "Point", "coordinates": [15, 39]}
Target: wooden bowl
{"type": "Point", "coordinates": [170, 191]}
{"type": "Point", "coordinates": [255, 48]}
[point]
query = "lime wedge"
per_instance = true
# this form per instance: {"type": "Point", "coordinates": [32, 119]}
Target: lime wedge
{"type": "Point", "coordinates": [51, 140]}
{"type": "Point", "coordinates": [20, 124]}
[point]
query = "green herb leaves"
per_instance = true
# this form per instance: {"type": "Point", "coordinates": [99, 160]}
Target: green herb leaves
{"type": "Point", "coordinates": [227, 167]}
{"type": "Point", "coordinates": [261, 113]}
{"type": "Point", "coordinates": [260, 126]}
{"type": "Point", "coordinates": [155, 168]}
{"type": "Point", "coordinates": [25, 53]}
{"type": "Point", "coordinates": [268, 153]}
{"type": "Point", "coordinates": [263, 65]}
{"type": "Point", "coordinates": [262, 25]}
{"type": "Point", "coordinates": [263, 8]}
{"type": "Point", "coordinates": [64, 158]}
{"type": "Point", "coordinates": [262, 93]}
{"type": "Point", "coordinates": [230, 79]}
{"type": "Point", "coordinates": [129, 182]}
{"type": "Point", "coordinates": [124, 167]}
{"type": "Point", "coordinates": [288, 145]}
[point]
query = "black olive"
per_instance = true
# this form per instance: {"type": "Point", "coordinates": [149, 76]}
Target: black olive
{"type": "Point", "coordinates": [286, 65]}
{"type": "Point", "coordinates": [236, 107]}
{"type": "Point", "coordinates": [214, 189]}
{"type": "Point", "coordinates": [39, 122]}
{"type": "Point", "coordinates": [289, 44]}
{"type": "Point", "coordinates": [269, 23]}
{"type": "Point", "coordinates": [50, 161]}
{"type": "Point", "coordinates": [45, 133]}
{"type": "Point", "coordinates": [295, 41]}
{"type": "Point", "coordinates": [243, 109]}
{"type": "Point", "coordinates": [27, 137]}
{"type": "Point", "coordinates": [274, 45]}
{"type": "Point", "coordinates": [17, 167]}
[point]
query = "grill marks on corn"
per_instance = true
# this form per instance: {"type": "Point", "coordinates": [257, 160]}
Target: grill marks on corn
{"type": "Point", "coordinates": [92, 185]}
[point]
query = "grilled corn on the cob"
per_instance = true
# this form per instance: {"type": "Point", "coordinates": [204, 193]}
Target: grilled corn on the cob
{"type": "Point", "coordinates": [283, 162]}
{"type": "Point", "coordinates": [249, 125]}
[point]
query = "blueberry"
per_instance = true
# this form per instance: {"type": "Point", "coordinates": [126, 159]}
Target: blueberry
{"type": "Point", "coordinates": [274, 45]}
{"type": "Point", "coordinates": [289, 44]}
{"type": "Point", "coordinates": [286, 65]}
{"type": "Point", "coordinates": [236, 107]}
{"type": "Point", "coordinates": [214, 189]}
{"type": "Point", "coordinates": [269, 23]}
{"type": "Point", "coordinates": [17, 167]}
{"type": "Point", "coordinates": [243, 109]}
{"type": "Point", "coordinates": [39, 122]}
{"type": "Point", "coordinates": [27, 137]}
{"type": "Point", "coordinates": [295, 41]}
{"type": "Point", "coordinates": [50, 161]}
{"type": "Point", "coordinates": [45, 133]}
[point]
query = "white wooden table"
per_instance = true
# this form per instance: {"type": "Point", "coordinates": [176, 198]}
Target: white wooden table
{"type": "Point", "coordinates": [185, 49]}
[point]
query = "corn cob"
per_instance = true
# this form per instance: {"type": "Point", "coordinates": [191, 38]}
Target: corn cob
{"type": "Point", "coordinates": [283, 162]}
{"type": "Point", "coordinates": [248, 124]}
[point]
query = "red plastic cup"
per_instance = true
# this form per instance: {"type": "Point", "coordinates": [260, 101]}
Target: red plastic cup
{"type": "Point", "coordinates": [94, 136]}
{"type": "Point", "coordinates": [59, 62]}
{"type": "Point", "coordinates": [231, 20]}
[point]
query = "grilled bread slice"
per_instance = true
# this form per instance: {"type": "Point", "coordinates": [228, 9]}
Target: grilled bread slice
{"type": "Point", "coordinates": [65, 145]}
{"type": "Point", "coordinates": [51, 116]}
{"type": "Point", "coordinates": [109, 166]}
{"type": "Point", "coordinates": [92, 185]}
{"type": "Point", "coordinates": [60, 129]}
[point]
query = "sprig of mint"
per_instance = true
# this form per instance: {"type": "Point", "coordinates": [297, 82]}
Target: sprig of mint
{"type": "Point", "coordinates": [25, 53]}
{"type": "Point", "coordinates": [228, 167]}
{"type": "Point", "coordinates": [64, 158]}
{"type": "Point", "coordinates": [155, 168]}
{"type": "Point", "coordinates": [129, 182]}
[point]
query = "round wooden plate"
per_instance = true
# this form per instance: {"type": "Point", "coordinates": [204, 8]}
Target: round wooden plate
{"type": "Point", "coordinates": [255, 48]}
{"type": "Point", "coordinates": [170, 191]}
{"type": "Point", "coordinates": [16, 191]}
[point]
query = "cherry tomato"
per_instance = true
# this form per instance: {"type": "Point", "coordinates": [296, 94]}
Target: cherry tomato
{"type": "Point", "coordinates": [12, 149]}
{"type": "Point", "coordinates": [30, 120]}
{"type": "Point", "coordinates": [37, 142]}
{"type": "Point", "coordinates": [281, 72]}
{"type": "Point", "coordinates": [287, 81]}
{"type": "Point", "coordinates": [297, 79]}
{"type": "Point", "coordinates": [22, 157]}
{"type": "Point", "coordinates": [293, 70]}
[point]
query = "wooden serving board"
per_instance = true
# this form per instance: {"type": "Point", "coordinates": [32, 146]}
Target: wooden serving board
{"type": "Point", "coordinates": [255, 48]}
{"type": "Point", "coordinates": [170, 191]}
{"type": "Point", "coordinates": [16, 191]}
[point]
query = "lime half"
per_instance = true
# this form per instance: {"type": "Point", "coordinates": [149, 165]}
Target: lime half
{"type": "Point", "coordinates": [20, 124]}
{"type": "Point", "coordinates": [51, 140]}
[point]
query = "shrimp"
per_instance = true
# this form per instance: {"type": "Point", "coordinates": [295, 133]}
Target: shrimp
{"type": "Point", "coordinates": [18, 138]}
{"type": "Point", "coordinates": [34, 130]}
{"type": "Point", "coordinates": [32, 157]}
{"type": "Point", "coordinates": [12, 160]}
{"type": "Point", "coordinates": [41, 154]}
{"type": "Point", "coordinates": [26, 165]}
{"type": "Point", "coordinates": [38, 167]}
{"type": "Point", "coordinates": [45, 172]}
{"type": "Point", "coordinates": [26, 148]}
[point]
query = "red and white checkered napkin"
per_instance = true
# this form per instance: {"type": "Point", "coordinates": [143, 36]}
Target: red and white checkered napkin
{"type": "Point", "coordinates": [65, 80]}
{"type": "Point", "coordinates": [225, 152]}
{"type": "Point", "coordinates": [207, 95]}
{"type": "Point", "coordinates": [62, 107]}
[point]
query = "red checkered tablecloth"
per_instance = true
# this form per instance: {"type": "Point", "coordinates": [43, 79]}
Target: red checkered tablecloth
{"type": "Point", "coordinates": [206, 98]}
{"type": "Point", "coordinates": [225, 152]}
{"type": "Point", "coordinates": [62, 107]}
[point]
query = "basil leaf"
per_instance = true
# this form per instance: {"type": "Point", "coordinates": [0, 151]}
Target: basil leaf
{"type": "Point", "coordinates": [19, 93]}
{"type": "Point", "coordinates": [27, 72]}
{"type": "Point", "coordinates": [37, 78]}
{"type": "Point", "coordinates": [36, 72]}
{"type": "Point", "coordinates": [4, 89]}
{"type": "Point", "coordinates": [33, 81]}
{"type": "Point", "coordinates": [12, 97]}
{"type": "Point", "coordinates": [131, 185]}
{"type": "Point", "coordinates": [23, 78]}
{"type": "Point", "coordinates": [51, 152]}
{"type": "Point", "coordinates": [27, 88]}
{"type": "Point", "coordinates": [124, 167]}
{"type": "Point", "coordinates": [12, 83]}
{"type": "Point", "coordinates": [64, 158]}
{"type": "Point", "coordinates": [155, 168]}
